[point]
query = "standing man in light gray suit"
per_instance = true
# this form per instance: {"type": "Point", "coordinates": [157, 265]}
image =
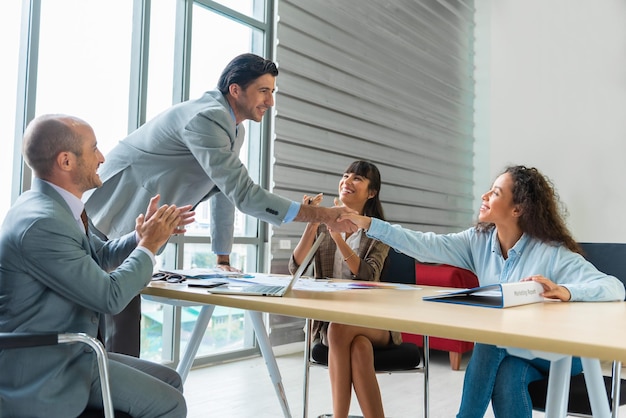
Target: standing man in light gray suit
{"type": "Point", "coordinates": [56, 275]}
{"type": "Point", "coordinates": [190, 153]}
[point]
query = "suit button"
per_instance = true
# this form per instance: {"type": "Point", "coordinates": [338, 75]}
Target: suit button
{"type": "Point", "coordinates": [272, 211]}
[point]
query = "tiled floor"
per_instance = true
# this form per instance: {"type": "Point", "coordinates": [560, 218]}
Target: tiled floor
{"type": "Point", "coordinates": [243, 389]}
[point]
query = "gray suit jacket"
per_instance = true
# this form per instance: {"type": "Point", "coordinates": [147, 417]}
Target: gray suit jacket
{"type": "Point", "coordinates": [53, 278]}
{"type": "Point", "coordinates": [188, 153]}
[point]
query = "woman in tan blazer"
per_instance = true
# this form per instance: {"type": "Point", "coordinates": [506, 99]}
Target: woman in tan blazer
{"type": "Point", "coordinates": [350, 256]}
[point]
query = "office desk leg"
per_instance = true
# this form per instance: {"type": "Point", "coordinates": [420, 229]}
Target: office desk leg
{"type": "Point", "coordinates": [202, 322]}
{"type": "Point", "coordinates": [615, 388]}
{"type": "Point", "coordinates": [595, 387]}
{"type": "Point", "coordinates": [558, 387]}
{"type": "Point", "coordinates": [559, 380]}
{"type": "Point", "coordinates": [426, 347]}
{"type": "Point", "coordinates": [270, 361]}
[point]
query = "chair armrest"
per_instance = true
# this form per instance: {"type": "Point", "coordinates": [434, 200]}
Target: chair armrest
{"type": "Point", "coordinates": [27, 339]}
{"type": "Point", "coordinates": [15, 340]}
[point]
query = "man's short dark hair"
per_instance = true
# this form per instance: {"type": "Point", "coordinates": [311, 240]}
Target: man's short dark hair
{"type": "Point", "coordinates": [243, 70]}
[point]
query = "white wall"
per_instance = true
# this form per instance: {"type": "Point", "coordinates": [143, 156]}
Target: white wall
{"type": "Point", "coordinates": [551, 93]}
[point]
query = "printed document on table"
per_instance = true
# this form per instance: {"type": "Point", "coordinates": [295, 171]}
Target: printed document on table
{"type": "Point", "coordinates": [329, 285]}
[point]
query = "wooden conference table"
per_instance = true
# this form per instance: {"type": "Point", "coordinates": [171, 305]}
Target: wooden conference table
{"type": "Point", "coordinates": [593, 330]}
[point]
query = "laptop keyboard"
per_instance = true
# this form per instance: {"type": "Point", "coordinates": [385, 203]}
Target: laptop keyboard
{"type": "Point", "coordinates": [265, 289]}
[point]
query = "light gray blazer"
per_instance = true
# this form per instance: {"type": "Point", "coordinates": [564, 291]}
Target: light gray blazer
{"type": "Point", "coordinates": [187, 154]}
{"type": "Point", "coordinates": [52, 279]}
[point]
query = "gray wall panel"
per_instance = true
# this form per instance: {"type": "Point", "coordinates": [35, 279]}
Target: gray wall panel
{"type": "Point", "coordinates": [390, 82]}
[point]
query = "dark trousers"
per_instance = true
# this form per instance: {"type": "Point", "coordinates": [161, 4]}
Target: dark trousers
{"type": "Point", "coordinates": [123, 331]}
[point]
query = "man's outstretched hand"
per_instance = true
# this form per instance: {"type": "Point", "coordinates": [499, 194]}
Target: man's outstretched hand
{"type": "Point", "coordinates": [359, 221]}
{"type": "Point", "coordinates": [328, 216]}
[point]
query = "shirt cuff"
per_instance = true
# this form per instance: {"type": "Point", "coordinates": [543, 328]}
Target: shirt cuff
{"type": "Point", "coordinates": [293, 210]}
{"type": "Point", "coordinates": [372, 231]}
{"type": "Point", "coordinates": [147, 251]}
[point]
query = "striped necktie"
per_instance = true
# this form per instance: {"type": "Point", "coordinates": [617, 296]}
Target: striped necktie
{"type": "Point", "coordinates": [83, 217]}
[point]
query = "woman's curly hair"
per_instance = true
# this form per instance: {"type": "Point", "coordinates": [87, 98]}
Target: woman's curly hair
{"type": "Point", "coordinates": [542, 213]}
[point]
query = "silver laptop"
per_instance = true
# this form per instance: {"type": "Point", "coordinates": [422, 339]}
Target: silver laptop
{"type": "Point", "coordinates": [269, 290]}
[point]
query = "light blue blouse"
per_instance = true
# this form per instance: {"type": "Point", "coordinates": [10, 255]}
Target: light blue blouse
{"type": "Point", "coordinates": [480, 253]}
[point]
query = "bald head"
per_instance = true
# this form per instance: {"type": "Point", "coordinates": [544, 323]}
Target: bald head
{"type": "Point", "coordinates": [48, 135]}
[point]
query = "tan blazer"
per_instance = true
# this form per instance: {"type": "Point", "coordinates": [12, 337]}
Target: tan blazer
{"type": "Point", "coordinates": [372, 253]}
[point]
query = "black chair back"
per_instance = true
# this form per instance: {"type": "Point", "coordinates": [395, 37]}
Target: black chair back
{"type": "Point", "coordinates": [609, 258]}
{"type": "Point", "coordinates": [399, 268]}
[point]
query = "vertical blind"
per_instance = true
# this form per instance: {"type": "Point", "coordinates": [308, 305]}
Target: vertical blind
{"type": "Point", "coordinates": [386, 81]}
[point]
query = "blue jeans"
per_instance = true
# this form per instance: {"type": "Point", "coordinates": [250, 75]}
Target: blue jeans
{"type": "Point", "coordinates": [493, 375]}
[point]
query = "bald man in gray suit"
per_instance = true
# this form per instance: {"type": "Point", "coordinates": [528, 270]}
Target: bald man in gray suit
{"type": "Point", "coordinates": [56, 275]}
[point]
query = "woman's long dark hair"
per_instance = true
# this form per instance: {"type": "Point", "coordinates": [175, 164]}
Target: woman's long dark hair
{"type": "Point", "coordinates": [542, 213]}
{"type": "Point", "coordinates": [373, 207]}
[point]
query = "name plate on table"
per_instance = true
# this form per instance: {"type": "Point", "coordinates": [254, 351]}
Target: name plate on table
{"type": "Point", "coordinates": [501, 295]}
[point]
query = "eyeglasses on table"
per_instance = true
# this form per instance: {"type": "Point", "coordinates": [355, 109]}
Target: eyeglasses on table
{"type": "Point", "coordinates": [168, 277]}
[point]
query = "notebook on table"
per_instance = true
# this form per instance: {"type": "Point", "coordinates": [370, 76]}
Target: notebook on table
{"type": "Point", "coordinates": [266, 289]}
{"type": "Point", "coordinates": [499, 295]}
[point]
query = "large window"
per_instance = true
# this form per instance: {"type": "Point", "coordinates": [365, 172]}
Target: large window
{"type": "Point", "coordinates": [10, 12]}
{"type": "Point", "coordinates": [237, 33]}
{"type": "Point", "coordinates": [84, 64]}
{"type": "Point", "coordinates": [117, 64]}
{"type": "Point", "coordinates": [208, 59]}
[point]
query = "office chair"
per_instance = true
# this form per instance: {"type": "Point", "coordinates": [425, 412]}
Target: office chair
{"type": "Point", "coordinates": [610, 259]}
{"type": "Point", "coordinates": [404, 358]}
{"type": "Point", "coordinates": [17, 340]}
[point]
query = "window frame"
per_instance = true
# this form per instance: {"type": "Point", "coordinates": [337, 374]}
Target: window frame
{"type": "Point", "coordinates": [138, 90]}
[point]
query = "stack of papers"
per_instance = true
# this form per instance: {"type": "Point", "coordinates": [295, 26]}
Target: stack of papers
{"type": "Point", "coordinates": [214, 277]}
{"type": "Point", "coordinates": [330, 285]}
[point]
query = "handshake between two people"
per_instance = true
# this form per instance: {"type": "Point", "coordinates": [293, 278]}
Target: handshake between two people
{"type": "Point", "coordinates": [340, 218]}
{"type": "Point", "coordinates": [156, 226]}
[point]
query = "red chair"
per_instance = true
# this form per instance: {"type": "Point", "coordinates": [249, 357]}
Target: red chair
{"type": "Point", "coordinates": [444, 276]}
